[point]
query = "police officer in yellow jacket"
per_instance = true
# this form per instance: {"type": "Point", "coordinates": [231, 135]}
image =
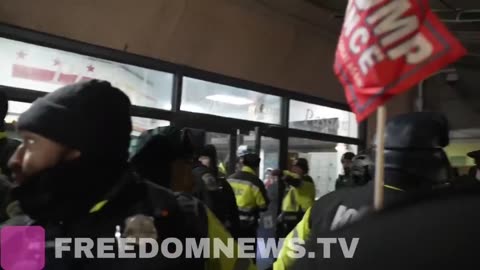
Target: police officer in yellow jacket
{"type": "Point", "coordinates": [300, 167]}
{"type": "Point", "coordinates": [299, 197]}
{"type": "Point", "coordinates": [250, 192]}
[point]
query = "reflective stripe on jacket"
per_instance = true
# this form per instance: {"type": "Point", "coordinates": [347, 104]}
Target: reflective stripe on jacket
{"type": "Point", "coordinates": [250, 194]}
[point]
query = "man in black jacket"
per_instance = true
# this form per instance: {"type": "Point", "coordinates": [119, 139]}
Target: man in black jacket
{"type": "Point", "coordinates": [432, 231]}
{"type": "Point", "coordinates": [415, 163]}
{"type": "Point", "coordinates": [345, 180]}
{"type": "Point", "coordinates": [73, 179]}
{"type": "Point", "coordinates": [163, 155]}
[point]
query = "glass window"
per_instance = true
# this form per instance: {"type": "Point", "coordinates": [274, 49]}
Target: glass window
{"type": "Point", "coordinates": [44, 69]}
{"type": "Point", "coordinates": [316, 118]}
{"type": "Point", "coordinates": [217, 99]}
{"type": "Point", "coordinates": [270, 155]}
{"type": "Point", "coordinates": [324, 159]}
{"type": "Point", "coordinates": [15, 109]}
{"type": "Point", "coordinates": [269, 152]}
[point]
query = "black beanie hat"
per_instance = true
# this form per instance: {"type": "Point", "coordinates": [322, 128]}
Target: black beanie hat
{"type": "Point", "coordinates": [163, 144]}
{"type": "Point", "coordinates": [208, 151]}
{"type": "Point", "coordinates": [92, 117]}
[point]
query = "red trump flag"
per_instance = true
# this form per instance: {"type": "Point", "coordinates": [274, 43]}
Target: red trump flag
{"type": "Point", "coordinates": [388, 46]}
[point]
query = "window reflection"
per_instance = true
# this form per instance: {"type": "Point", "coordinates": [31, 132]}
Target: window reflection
{"type": "Point", "coordinates": [316, 118]}
{"type": "Point", "coordinates": [44, 69]}
{"type": "Point", "coordinates": [222, 100]}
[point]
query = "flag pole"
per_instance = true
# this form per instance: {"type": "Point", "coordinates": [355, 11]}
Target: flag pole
{"type": "Point", "coordinates": [380, 158]}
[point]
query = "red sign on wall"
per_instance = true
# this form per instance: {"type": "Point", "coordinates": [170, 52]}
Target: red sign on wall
{"type": "Point", "coordinates": [388, 46]}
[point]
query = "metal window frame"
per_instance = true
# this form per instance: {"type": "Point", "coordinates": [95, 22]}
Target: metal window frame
{"type": "Point", "coordinates": [176, 116]}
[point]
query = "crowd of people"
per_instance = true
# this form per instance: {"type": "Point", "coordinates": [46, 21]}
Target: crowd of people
{"type": "Point", "coordinates": [72, 174]}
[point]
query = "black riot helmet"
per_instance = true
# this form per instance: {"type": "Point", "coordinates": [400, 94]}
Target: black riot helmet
{"type": "Point", "coordinates": [362, 168]}
{"type": "Point", "coordinates": [414, 145]}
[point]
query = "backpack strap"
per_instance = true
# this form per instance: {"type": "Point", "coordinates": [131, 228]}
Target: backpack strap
{"type": "Point", "coordinates": [162, 200]}
{"type": "Point", "coordinates": [179, 206]}
{"type": "Point", "coordinates": [194, 208]}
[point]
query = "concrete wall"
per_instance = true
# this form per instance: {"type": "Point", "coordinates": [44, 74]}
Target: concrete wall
{"type": "Point", "coordinates": [244, 39]}
{"type": "Point", "coordinates": [460, 101]}
{"type": "Point", "coordinates": [398, 105]}
{"type": "Point", "coordinates": [283, 43]}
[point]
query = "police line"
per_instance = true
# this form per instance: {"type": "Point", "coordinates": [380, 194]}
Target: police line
{"type": "Point", "coordinates": [173, 248]}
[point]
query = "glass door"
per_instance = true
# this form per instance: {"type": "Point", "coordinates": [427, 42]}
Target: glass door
{"type": "Point", "coordinates": [269, 151]}
{"type": "Point", "coordinates": [222, 143]}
